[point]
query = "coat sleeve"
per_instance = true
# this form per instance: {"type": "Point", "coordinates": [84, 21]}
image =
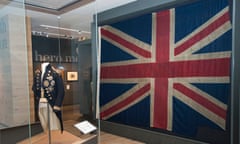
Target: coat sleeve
{"type": "Point", "coordinates": [60, 91]}
{"type": "Point", "coordinates": [35, 88]}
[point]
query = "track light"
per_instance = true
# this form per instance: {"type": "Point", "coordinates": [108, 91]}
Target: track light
{"type": "Point", "coordinates": [62, 28]}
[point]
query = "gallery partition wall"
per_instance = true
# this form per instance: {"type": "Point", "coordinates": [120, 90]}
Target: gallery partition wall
{"type": "Point", "coordinates": [235, 107]}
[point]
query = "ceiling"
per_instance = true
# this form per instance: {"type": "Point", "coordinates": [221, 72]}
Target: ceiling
{"type": "Point", "coordinates": [56, 7]}
{"type": "Point", "coordinates": [72, 16]}
{"type": "Point", "coordinates": [51, 4]}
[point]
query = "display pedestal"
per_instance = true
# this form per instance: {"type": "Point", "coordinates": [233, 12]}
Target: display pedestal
{"type": "Point", "coordinates": [57, 138]}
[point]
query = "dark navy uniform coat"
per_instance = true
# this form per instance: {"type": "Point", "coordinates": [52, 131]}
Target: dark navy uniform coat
{"type": "Point", "coordinates": [53, 88]}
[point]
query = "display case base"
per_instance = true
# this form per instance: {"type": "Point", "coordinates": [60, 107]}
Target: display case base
{"type": "Point", "coordinates": [56, 138]}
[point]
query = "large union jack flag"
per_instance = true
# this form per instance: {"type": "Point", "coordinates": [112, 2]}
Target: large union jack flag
{"type": "Point", "coordinates": [169, 69]}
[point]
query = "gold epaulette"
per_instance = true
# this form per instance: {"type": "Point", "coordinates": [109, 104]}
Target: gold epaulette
{"type": "Point", "coordinates": [37, 71]}
{"type": "Point", "coordinates": [58, 71]}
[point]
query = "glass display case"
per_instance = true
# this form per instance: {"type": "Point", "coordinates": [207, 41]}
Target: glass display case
{"type": "Point", "coordinates": [46, 73]}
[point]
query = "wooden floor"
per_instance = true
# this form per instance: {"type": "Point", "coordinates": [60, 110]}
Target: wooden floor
{"type": "Point", "coordinates": [56, 138]}
{"type": "Point", "coordinates": [105, 138]}
{"type": "Point", "coordinates": [71, 116]}
{"type": "Point", "coordinates": [72, 135]}
{"type": "Point", "coordinates": [68, 138]}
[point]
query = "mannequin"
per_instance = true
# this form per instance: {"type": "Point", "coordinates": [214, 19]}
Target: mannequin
{"type": "Point", "coordinates": [48, 89]}
{"type": "Point", "coordinates": [43, 69]}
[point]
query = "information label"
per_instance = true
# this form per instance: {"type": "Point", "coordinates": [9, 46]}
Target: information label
{"type": "Point", "coordinates": [85, 127]}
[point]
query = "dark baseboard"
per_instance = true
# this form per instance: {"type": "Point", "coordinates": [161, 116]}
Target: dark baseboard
{"type": "Point", "coordinates": [93, 140]}
{"type": "Point", "coordinates": [143, 135]}
{"type": "Point", "coordinates": [16, 134]}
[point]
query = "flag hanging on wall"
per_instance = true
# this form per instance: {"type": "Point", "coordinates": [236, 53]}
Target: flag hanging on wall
{"type": "Point", "coordinates": [169, 69]}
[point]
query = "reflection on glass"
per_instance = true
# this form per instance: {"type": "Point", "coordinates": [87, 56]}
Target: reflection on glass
{"type": "Point", "coordinates": [14, 90]}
